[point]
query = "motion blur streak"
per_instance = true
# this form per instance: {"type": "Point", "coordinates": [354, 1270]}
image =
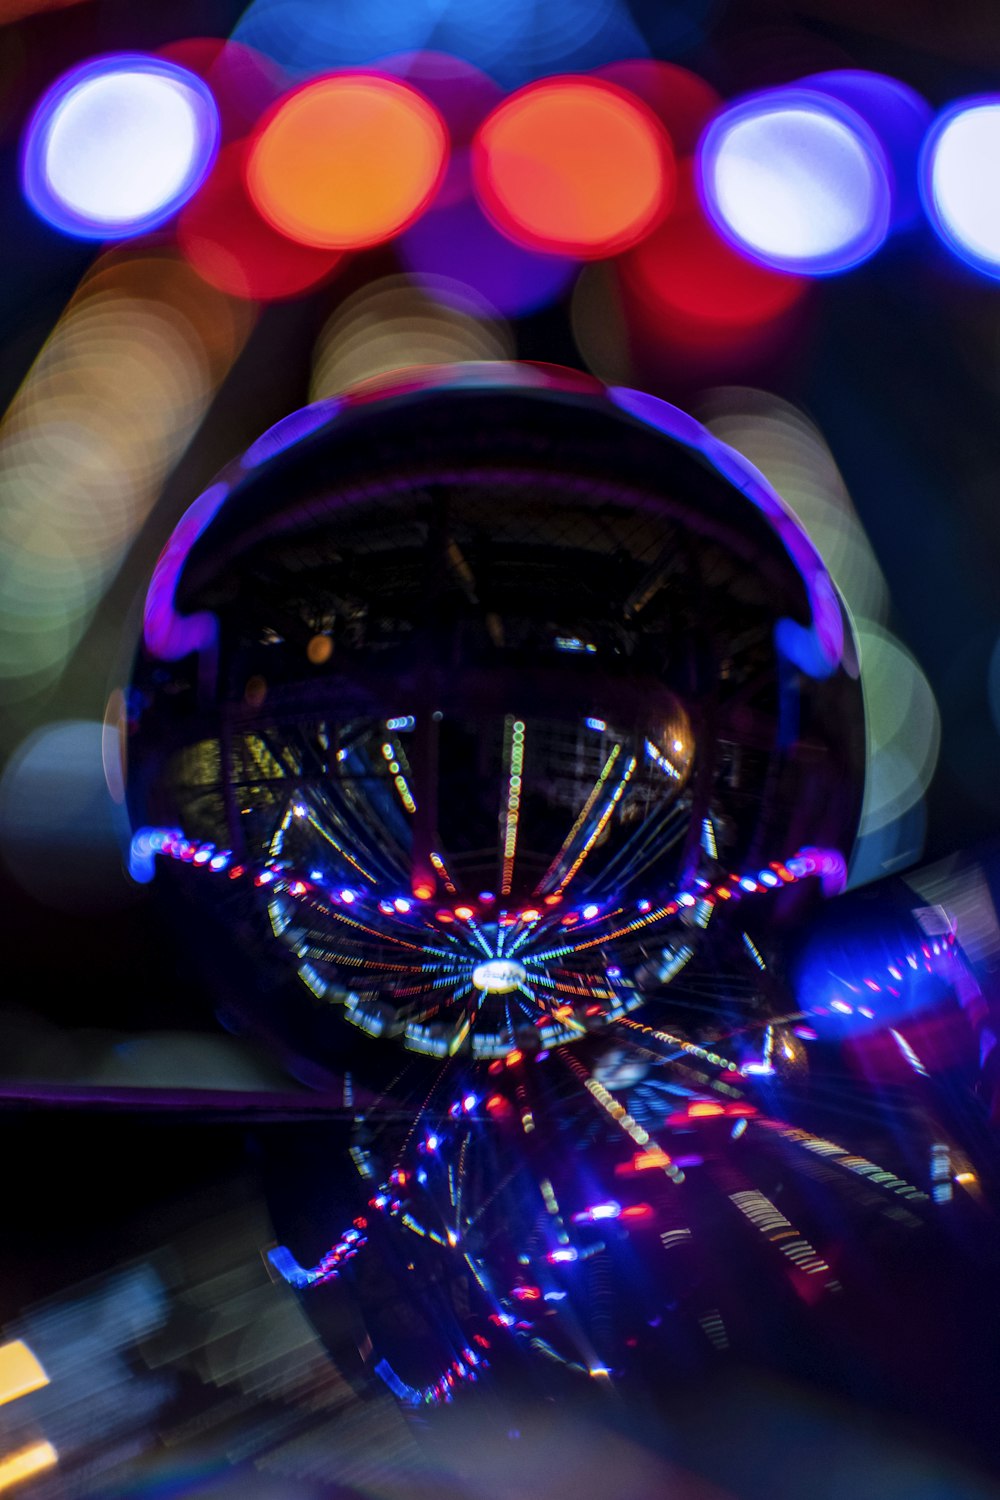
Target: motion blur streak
{"type": "Point", "coordinates": [25, 1463]}
{"type": "Point", "coordinates": [105, 412]}
{"type": "Point", "coordinates": [901, 714]}
{"type": "Point", "coordinates": [392, 323]}
{"type": "Point", "coordinates": [790, 452]}
{"type": "Point", "coordinates": [20, 1371]}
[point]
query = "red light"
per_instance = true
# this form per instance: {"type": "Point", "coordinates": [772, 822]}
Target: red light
{"type": "Point", "coordinates": [444, 915]}
{"type": "Point", "coordinates": [513, 1057]}
{"type": "Point", "coordinates": [361, 1223]}
{"type": "Point", "coordinates": [484, 1343]}
{"type": "Point", "coordinates": [496, 1067]}
{"type": "Point", "coordinates": [423, 892]}
{"type": "Point", "coordinates": [574, 165]}
{"type": "Point", "coordinates": [553, 900]}
{"type": "Point", "coordinates": [637, 1211]}
{"type": "Point", "coordinates": [692, 290]}
{"type": "Point", "coordinates": [530, 916]}
{"type": "Point", "coordinates": [237, 871]}
{"type": "Point", "coordinates": [645, 1161]}
{"type": "Point", "coordinates": [347, 161]}
{"type": "Point", "coordinates": [464, 913]}
{"type": "Point", "coordinates": [224, 238]}
{"type": "Point", "coordinates": [705, 1107]}
{"type": "Point", "coordinates": [496, 1101]}
{"type": "Point", "coordinates": [526, 1293]}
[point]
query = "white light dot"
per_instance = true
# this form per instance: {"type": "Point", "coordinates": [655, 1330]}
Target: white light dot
{"type": "Point", "coordinates": [964, 202]}
{"type": "Point", "coordinates": [119, 145]}
{"type": "Point", "coordinates": [498, 975]}
{"type": "Point", "coordinates": [796, 186]}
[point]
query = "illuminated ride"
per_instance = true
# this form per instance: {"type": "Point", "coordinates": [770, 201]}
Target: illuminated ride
{"type": "Point", "coordinates": [484, 697]}
{"type": "Point", "coordinates": [506, 728]}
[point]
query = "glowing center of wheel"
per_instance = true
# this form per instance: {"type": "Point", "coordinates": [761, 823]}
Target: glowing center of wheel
{"type": "Point", "coordinates": [498, 975]}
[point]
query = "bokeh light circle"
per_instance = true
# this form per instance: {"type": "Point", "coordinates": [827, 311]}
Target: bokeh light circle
{"type": "Point", "coordinates": [117, 145]}
{"type": "Point", "coordinates": [958, 181]}
{"type": "Point", "coordinates": [797, 180]}
{"type": "Point", "coordinates": [574, 165]}
{"type": "Point", "coordinates": [232, 247]}
{"type": "Point", "coordinates": [347, 160]}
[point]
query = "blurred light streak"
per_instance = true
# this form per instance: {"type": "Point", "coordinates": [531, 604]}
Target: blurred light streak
{"type": "Point", "coordinates": [792, 454]}
{"type": "Point", "coordinates": [902, 719]}
{"type": "Point", "coordinates": [117, 144]}
{"type": "Point", "coordinates": [957, 181]}
{"type": "Point", "coordinates": [26, 1463]}
{"type": "Point", "coordinates": [903, 727]}
{"type": "Point", "coordinates": [105, 412]}
{"type": "Point", "coordinates": [347, 161]}
{"type": "Point", "coordinates": [575, 166]}
{"type": "Point", "coordinates": [964, 891]}
{"type": "Point", "coordinates": [797, 180]}
{"type": "Point", "coordinates": [392, 323]}
{"type": "Point", "coordinates": [456, 240]}
{"type": "Point", "coordinates": [20, 1371]}
{"type": "Point", "coordinates": [234, 249]}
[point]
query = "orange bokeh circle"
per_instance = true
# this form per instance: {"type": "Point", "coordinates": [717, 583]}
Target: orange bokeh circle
{"type": "Point", "coordinates": [574, 166]}
{"type": "Point", "coordinates": [347, 160]}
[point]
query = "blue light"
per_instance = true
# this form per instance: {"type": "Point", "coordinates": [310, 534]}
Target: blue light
{"type": "Point", "coordinates": [456, 241]}
{"type": "Point", "coordinates": [899, 118]}
{"type": "Point", "coordinates": [748, 883]}
{"type": "Point", "coordinates": [401, 904]}
{"type": "Point", "coordinates": [514, 42]}
{"type": "Point", "coordinates": [297, 425]}
{"type": "Point", "coordinates": [797, 180]}
{"type": "Point", "coordinates": [469, 1102]}
{"type": "Point", "coordinates": [597, 724]}
{"type": "Point", "coordinates": [432, 1142]}
{"type": "Point", "coordinates": [590, 911]}
{"type": "Point", "coordinates": [568, 1253]}
{"type": "Point", "coordinates": [957, 175]}
{"type": "Point", "coordinates": [117, 145]}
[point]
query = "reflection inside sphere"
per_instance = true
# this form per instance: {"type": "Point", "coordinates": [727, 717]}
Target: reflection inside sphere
{"type": "Point", "coordinates": [517, 869]}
